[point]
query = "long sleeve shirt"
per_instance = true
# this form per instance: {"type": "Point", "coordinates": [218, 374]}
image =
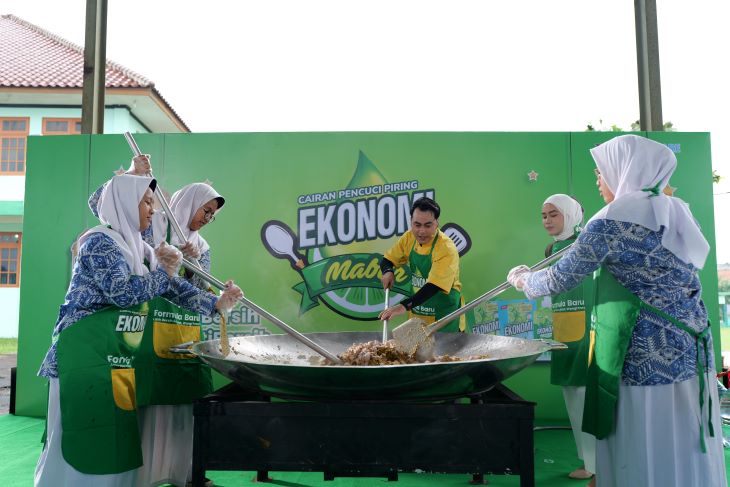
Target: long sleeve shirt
{"type": "Point", "coordinates": [101, 278]}
{"type": "Point", "coordinates": [149, 237]}
{"type": "Point", "coordinates": [204, 262]}
{"type": "Point", "coordinates": [659, 352]}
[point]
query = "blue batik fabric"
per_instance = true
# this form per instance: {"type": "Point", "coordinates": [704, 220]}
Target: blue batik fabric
{"type": "Point", "coordinates": [101, 277]}
{"type": "Point", "coordinates": [204, 262]}
{"type": "Point", "coordinates": [659, 352]}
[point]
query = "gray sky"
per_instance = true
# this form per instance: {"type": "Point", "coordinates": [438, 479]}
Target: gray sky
{"type": "Point", "coordinates": [417, 65]}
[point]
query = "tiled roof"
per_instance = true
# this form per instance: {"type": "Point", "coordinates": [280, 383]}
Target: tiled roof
{"type": "Point", "coordinates": [33, 57]}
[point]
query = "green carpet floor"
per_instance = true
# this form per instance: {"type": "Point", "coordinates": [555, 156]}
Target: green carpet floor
{"type": "Point", "coordinates": [554, 457]}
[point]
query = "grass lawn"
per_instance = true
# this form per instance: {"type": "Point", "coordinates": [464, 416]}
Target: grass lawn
{"type": "Point", "coordinates": [8, 345]}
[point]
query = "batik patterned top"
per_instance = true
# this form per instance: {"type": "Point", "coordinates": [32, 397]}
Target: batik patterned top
{"type": "Point", "coordinates": [101, 278]}
{"type": "Point", "coordinates": [659, 352]}
{"type": "Point", "coordinates": [204, 262]}
{"type": "Point", "coordinates": [149, 237]}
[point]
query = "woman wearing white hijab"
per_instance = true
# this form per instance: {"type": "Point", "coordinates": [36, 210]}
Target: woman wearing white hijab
{"type": "Point", "coordinates": [167, 429]}
{"type": "Point", "coordinates": [566, 223]}
{"type": "Point", "coordinates": [194, 206]}
{"type": "Point", "coordinates": [650, 399]}
{"type": "Point", "coordinates": [109, 274]}
{"type": "Point", "coordinates": [140, 166]}
{"type": "Point", "coordinates": [562, 217]}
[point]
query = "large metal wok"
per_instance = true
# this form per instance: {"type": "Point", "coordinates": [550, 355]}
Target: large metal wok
{"type": "Point", "coordinates": [279, 365]}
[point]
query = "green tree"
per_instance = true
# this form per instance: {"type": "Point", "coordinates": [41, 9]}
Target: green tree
{"type": "Point", "coordinates": [668, 126]}
{"type": "Point", "coordinates": [635, 127]}
{"type": "Point", "coordinates": [591, 128]}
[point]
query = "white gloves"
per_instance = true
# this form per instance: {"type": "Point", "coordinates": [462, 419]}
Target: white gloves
{"type": "Point", "coordinates": [517, 276]}
{"type": "Point", "coordinates": [228, 297]}
{"type": "Point", "coordinates": [190, 251]}
{"type": "Point", "coordinates": [168, 258]}
{"type": "Point", "coordinates": [140, 165]}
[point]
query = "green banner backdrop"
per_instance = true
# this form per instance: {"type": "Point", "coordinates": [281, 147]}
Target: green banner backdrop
{"type": "Point", "coordinates": [308, 215]}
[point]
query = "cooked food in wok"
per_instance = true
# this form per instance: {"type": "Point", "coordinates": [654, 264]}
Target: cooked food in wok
{"type": "Point", "coordinates": [375, 353]}
{"type": "Point", "coordinates": [378, 353]}
{"type": "Point", "coordinates": [370, 353]}
{"type": "Point", "coordinates": [281, 366]}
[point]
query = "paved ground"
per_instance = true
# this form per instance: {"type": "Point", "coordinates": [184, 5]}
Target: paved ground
{"type": "Point", "coordinates": [6, 362]}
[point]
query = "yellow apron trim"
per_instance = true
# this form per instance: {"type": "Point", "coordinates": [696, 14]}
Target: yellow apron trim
{"type": "Point", "coordinates": [591, 346]}
{"type": "Point", "coordinates": [165, 335]}
{"type": "Point", "coordinates": [123, 388]}
{"type": "Point", "coordinates": [569, 326]}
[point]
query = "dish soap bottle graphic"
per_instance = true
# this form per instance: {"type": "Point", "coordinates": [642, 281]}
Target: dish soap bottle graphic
{"type": "Point", "coordinates": [360, 302]}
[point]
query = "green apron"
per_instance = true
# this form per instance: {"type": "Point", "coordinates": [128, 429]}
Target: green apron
{"type": "Point", "coordinates": [164, 377]}
{"type": "Point", "coordinates": [97, 392]}
{"type": "Point", "coordinates": [571, 326]}
{"type": "Point", "coordinates": [614, 314]}
{"type": "Point", "coordinates": [439, 305]}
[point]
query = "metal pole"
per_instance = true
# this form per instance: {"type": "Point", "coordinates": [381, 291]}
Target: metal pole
{"type": "Point", "coordinates": [160, 196]}
{"type": "Point", "coordinates": [492, 293]}
{"type": "Point", "coordinates": [94, 82]}
{"type": "Point", "coordinates": [647, 60]}
{"type": "Point", "coordinates": [195, 268]}
{"type": "Point", "coordinates": [288, 329]}
{"type": "Point", "coordinates": [385, 322]}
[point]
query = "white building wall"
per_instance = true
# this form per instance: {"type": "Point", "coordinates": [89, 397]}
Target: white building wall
{"type": "Point", "coordinates": [12, 188]}
{"type": "Point", "coordinates": [9, 304]}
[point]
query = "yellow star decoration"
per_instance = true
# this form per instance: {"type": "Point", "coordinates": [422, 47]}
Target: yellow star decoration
{"type": "Point", "coordinates": [532, 175]}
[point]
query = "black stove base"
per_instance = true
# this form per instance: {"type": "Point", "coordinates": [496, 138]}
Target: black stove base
{"type": "Point", "coordinates": [238, 430]}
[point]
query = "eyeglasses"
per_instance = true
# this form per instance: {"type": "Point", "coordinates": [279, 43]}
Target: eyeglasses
{"type": "Point", "coordinates": [208, 215]}
{"type": "Point", "coordinates": [597, 172]}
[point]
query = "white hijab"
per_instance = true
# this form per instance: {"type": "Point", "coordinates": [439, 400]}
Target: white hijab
{"type": "Point", "coordinates": [636, 170]}
{"type": "Point", "coordinates": [572, 214]}
{"type": "Point", "coordinates": [184, 204]}
{"type": "Point", "coordinates": [119, 209]}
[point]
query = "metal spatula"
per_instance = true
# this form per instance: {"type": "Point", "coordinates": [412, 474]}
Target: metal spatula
{"type": "Point", "coordinates": [385, 322]}
{"type": "Point", "coordinates": [415, 336]}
